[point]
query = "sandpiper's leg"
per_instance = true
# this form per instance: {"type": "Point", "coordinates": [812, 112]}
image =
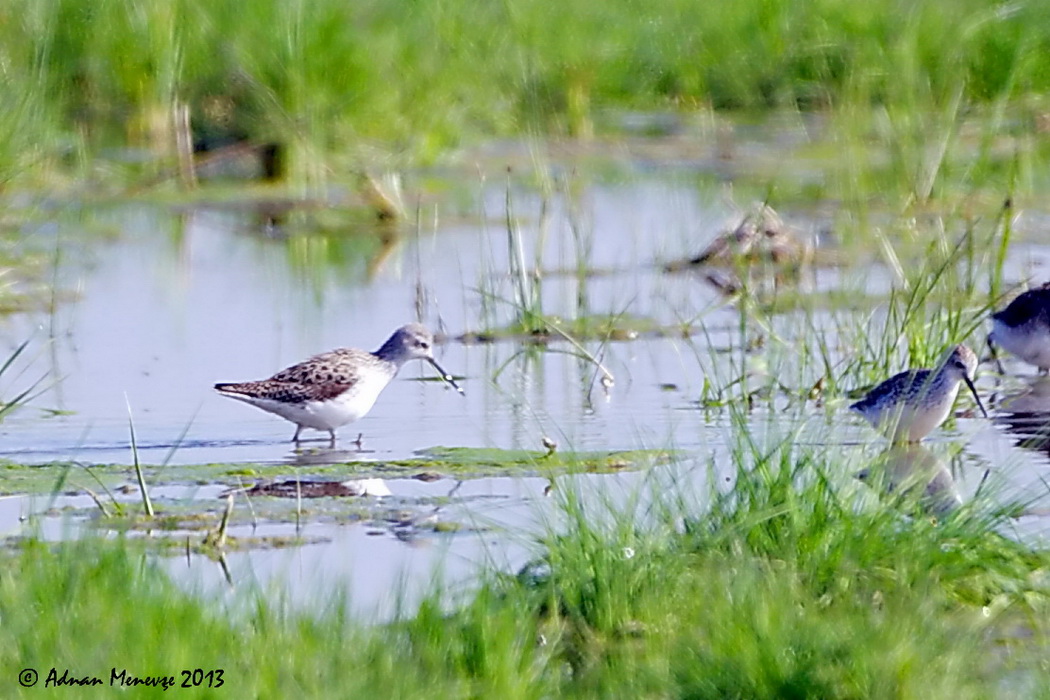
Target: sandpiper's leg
{"type": "Point", "coordinates": [995, 356]}
{"type": "Point", "coordinates": [295, 438]}
{"type": "Point", "coordinates": [331, 437]}
{"type": "Point", "coordinates": [358, 441]}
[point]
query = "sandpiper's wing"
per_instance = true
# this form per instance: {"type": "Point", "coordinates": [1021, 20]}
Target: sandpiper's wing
{"type": "Point", "coordinates": [341, 367]}
{"type": "Point", "coordinates": [282, 392]}
{"type": "Point", "coordinates": [321, 377]}
{"type": "Point", "coordinates": [902, 385]}
{"type": "Point", "coordinates": [1040, 300]}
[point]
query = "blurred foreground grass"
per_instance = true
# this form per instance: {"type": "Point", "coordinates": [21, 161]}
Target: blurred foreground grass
{"type": "Point", "coordinates": [798, 581]}
{"type": "Point", "coordinates": [337, 82]}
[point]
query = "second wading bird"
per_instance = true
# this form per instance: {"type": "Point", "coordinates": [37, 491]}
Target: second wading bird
{"type": "Point", "coordinates": [338, 387]}
{"type": "Point", "coordinates": [909, 405]}
{"type": "Point", "coordinates": [1023, 329]}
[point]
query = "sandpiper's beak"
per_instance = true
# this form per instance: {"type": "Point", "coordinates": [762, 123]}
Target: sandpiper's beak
{"type": "Point", "coordinates": [973, 390]}
{"type": "Point", "coordinates": [995, 355]}
{"type": "Point", "coordinates": [448, 377]}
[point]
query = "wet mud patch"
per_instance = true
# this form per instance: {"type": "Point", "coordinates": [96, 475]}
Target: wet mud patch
{"type": "Point", "coordinates": [212, 508]}
{"type": "Point", "coordinates": [482, 461]}
{"type": "Point", "coordinates": [430, 464]}
{"type": "Point", "coordinates": [265, 516]}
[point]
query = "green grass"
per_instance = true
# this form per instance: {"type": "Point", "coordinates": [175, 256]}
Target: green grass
{"type": "Point", "coordinates": [12, 400]}
{"type": "Point", "coordinates": [332, 80]}
{"type": "Point", "coordinates": [794, 582]}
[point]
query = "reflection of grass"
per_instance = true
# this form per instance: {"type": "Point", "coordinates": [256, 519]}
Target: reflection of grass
{"type": "Point", "coordinates": [24, 269]}
{"type": "Point", "coordinates": [9, 405]}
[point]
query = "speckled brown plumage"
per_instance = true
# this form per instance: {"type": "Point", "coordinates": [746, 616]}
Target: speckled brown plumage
{"type": "Point", "coordinates": [319, 378]}
{"type": "Point", "coordinates": [285, 392]}
{"type": "Point", "coordinates": [338, 387]}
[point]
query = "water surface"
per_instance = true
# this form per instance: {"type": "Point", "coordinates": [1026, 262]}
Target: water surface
{"type": "Point", "coordinates": [170, 300]}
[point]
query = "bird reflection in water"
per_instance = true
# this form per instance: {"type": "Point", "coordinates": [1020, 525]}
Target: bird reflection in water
{"type": "Point", "coordinates": [916, 478]}
{"type": "Point", "coordinates": [1025, 413]}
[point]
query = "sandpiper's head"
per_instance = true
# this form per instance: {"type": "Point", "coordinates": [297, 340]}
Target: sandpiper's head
{"type": "Point", "coordinates": [409, 342]}
{"type": "Point", "coordinates": [962, 363]}
{"type": "Point", "coordinates": [962, 360]}
{"type": "Point", "coordinates": [414, 342]}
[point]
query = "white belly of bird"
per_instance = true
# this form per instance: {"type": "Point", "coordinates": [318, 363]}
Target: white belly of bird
{"type": "Point", "coordinates": [331, 413]}
{"type": "Point", "coordinates": [346, 408]}
{"type": "Point", "coordinates": [917, 419]}
{"type": "Point", "coordinates": [1030, 343]}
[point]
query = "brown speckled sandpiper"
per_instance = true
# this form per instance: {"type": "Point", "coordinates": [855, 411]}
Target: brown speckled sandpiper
{"type": "Point", "coordinates": [338, 387]}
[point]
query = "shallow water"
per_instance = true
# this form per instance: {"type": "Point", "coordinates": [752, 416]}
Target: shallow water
{"type": "Point", "coordinates": [172, 300]}
{"type": "Point", "coordinates": [163, 317]}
